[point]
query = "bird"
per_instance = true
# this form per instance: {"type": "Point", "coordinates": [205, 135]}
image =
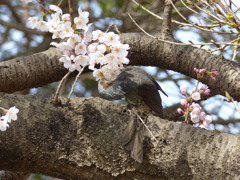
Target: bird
{"type": "Point", "coordinates": [141, 92]}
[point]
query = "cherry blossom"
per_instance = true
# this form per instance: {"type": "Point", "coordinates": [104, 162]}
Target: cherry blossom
{"type": "Point", "coordinates": [73, 40]}
{"type": "Point", "coordinates": [196, 96]}
{"type": "Point", "coordinates": [82, 20]}
{"type": "Point", "coordinates": [42, 26]}
{"type": "Point", "coordinates": [81, 60]}
{"type": "Point", "coordinates": [68, 63]}
{"type": "Point", "coordinates": [3, 123]}
{"type": "Point", "coordinates": [33, 21]}
{"type": "Point", "coordinates": [10, 114]}
{"type": "Point", "coordinates": [56, 9]}
{"type": "Point", "coordinates": [81, 47]}
{"type": "Point", "coordinates": [65, 29]}
{"type": "Point", "coordinates": [192, 110]}
{"type": "Point", "coordinates": [110, 39]}
{"type": "Point", "coordinates": [97, 34]}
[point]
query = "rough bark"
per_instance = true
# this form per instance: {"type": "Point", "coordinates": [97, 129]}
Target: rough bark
{"type": "Point", "coordinates": [8, 175]}
{"type": "Point", "coordinates": [44, 67]}
{"type": "Point", "coordinates": [79, 141]}
{"type": "Point", "coordinates": [31, 71]}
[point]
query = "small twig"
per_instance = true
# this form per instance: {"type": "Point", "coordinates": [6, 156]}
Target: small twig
{"type": "Point", "coordinates": [174, 21]}
{"type": "Point", "coordinates": [55, 99]}
{"type": "Point", "coordinates": [60, 2]}
{"type": "Point", "coordinates": [235, 52]}
{"type": "Point", "coordinates": [195, 12]}
{"type": "Point", "coordinates": [171, 42]}
{"type": "Point", "coordinates": [43, 7]}
{"type": "Point", "coordinates": [236, 106]}
{"type": "Point", "coordinates": [196, 25]}
{"type": "Point", "coordinates": [69, 96]}
{"type": "Point", "coordinates": [108, 28]}
{"type": "Point", "coordinates": [146, 127]}
{"type": "Point", "coordinates": [70, 8]}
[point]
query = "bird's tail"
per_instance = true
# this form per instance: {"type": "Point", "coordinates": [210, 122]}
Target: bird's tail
{"type": "Point", "coordinates": [132, 138]}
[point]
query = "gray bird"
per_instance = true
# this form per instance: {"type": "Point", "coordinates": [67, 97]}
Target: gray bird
{"type": "Point", "coordinates": [141, 91]}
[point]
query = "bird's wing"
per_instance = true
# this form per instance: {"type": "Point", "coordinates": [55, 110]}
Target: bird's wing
{"type": "Point", "coordinates": [136, 80]}
{"type": "Point", "coordinates": [157, 85]}
{"type": "Point", "coordinates": [151, 97]}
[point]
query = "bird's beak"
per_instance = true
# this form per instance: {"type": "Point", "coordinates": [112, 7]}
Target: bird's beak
{"type": "Point", "coordinates": [105, 85]}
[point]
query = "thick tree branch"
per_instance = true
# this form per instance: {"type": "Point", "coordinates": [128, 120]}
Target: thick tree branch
{"type": "Point", "coordinates": [43, 68]}
{"type": "Point", "coordinates": [151, 52]}
{"type": "Point", "coordinates": [31, 71]}
{"type": "Point", "coordinates": [80, 142]}
{"type": "Point", "coordinates": [8, 175]}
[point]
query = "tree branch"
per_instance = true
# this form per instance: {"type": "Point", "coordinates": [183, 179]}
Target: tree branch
{"type": "Point", "coordinates": [167, 21]}
{"type": "Point", "coordinates": [8, 175]}
{"type": "Point", "coordinates": [43, 68]}
{"type": "Point", "coordinates": [80, 142]}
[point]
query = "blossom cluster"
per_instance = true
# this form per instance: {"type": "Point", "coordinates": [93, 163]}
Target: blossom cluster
{"type": "Point", "coordinates": [193, 109]}
{"type": "Point", "coordinates": [203, 72]}
{"type": "Point", "coordinates": [101, 51]}
{"type": "Point", "coordinates": [10, 114]}
{"type": "Point", "coordinates": [190, 108]}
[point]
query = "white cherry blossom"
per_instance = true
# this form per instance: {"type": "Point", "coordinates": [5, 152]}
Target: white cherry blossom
{"type": "Point", "coordinates": [33, 21]}
{"type": "Point", "coordinates": [80, 48]}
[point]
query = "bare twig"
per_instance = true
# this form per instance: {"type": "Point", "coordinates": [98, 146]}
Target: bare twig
{"type": "Point", "coordinates": [55, 99]}
{"type": "Point", "coordinates": [77, 77]}
{"type": "Point", "coordinates": [173, 21]}
{"type": "Point", "coordinates": [196, 25]}
{"type": "Point", "coordinates": [176, 43]}
{"type": "Point", "coordinates": [146, 126]}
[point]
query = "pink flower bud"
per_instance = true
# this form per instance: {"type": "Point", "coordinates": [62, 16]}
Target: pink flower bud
{"type": "Point", "coordinates": [204, 87]}
{"type": "Point", "coordinates": [183, 102]}
{"type": "Point", "coordinates": [213, 78]}
{"type": "Point", "coordinates": [196, 70]}
{"type": "Point", "coordinates": [183, 90]}
{"type": "Point", "coordinates": [180, 111]}
{"type": "Point", "coordinates": [202, 71]}
{"type": "Point", "coordinates": [216, 73]}
{"type": "Point", "coordinates": [206, 92]}
{"type": "Point", "coordinates": [207, 121]}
